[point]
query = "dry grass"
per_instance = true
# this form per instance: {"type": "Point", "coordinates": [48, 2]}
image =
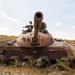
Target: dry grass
{"type": "Point", "coordinates": [71, 42]}
{"type": "Point", "coordinates": [33, 71]}
{"type": "Point", "coordinates": [24, 71]}
{"type": "Point", "coordinates": [5, 38]}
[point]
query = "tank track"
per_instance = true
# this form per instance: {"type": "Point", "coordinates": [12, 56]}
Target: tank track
{"type": "Point", "coordinates": [31, 54]}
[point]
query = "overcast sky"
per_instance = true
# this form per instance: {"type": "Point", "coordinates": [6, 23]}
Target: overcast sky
{"type": "Point", "coordinates": [59, 15]}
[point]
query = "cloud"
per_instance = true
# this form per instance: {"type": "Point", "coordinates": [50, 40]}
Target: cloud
{"type": "Point", "coordinates": [63, 35]}
{"type": "Point", "coordinates": [9, 18]}
{"type": "Point", "coordinates": [4, 30]}
{"type": "Point", "coordinates": [0, 4]}
{"type": "Point", "coordinates": [58, 23]}
{"type": "Point", "coordinates": [73, 27]}
{"type": "Point", "coordinates": [9, 25]}
{"type": "Point", "coordinates": [57, 34]}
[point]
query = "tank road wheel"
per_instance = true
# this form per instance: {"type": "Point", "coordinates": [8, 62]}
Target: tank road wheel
{"type": "Point", "coordinates": [13, 60]}
{"type": "Point", "coordinates": [2, 59]}
{"type": "Point", "coordinates": [28, 61]}
{"type": "Point", "coordinates": [42, 61]}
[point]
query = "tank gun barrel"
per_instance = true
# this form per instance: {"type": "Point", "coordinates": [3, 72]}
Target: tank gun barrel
{"type": "Point", "coordinates": [38, 17]}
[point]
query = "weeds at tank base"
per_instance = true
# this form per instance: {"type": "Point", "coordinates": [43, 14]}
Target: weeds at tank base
{"type": "Point", "coordinates": [60, 68]}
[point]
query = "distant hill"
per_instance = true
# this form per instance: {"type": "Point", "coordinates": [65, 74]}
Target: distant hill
{"type": "Point", "coordinates": [5, 38]}
{"type": "Point", "coordinates": [71, 42]}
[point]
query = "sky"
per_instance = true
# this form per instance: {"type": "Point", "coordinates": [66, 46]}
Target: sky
{"type": "Point", "coordinates": [59, 15]}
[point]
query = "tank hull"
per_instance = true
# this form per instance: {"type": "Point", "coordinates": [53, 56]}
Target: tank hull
{"type": "Point", "coordinates": [8, 53]}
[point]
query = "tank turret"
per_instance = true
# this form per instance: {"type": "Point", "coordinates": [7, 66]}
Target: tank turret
{"type": "Point", "coordinates": [38, 37]}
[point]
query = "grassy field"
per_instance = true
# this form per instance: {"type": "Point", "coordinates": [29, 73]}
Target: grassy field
{"type": "Point", "coordinates": [5, 38]}
{"type": "Point", "coordinates": [60, 68]}
{"type": "Point", "coordinates": [12, 70]}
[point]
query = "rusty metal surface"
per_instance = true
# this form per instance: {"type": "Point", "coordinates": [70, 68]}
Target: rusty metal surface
{"type": "Point", "coordinates": [25, 40]}
{"type": "Point", "coordinates": [35, 52]}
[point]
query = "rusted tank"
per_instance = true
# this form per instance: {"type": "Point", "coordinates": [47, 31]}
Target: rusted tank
{"type": "Point", "coordinates": [36, 45]}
